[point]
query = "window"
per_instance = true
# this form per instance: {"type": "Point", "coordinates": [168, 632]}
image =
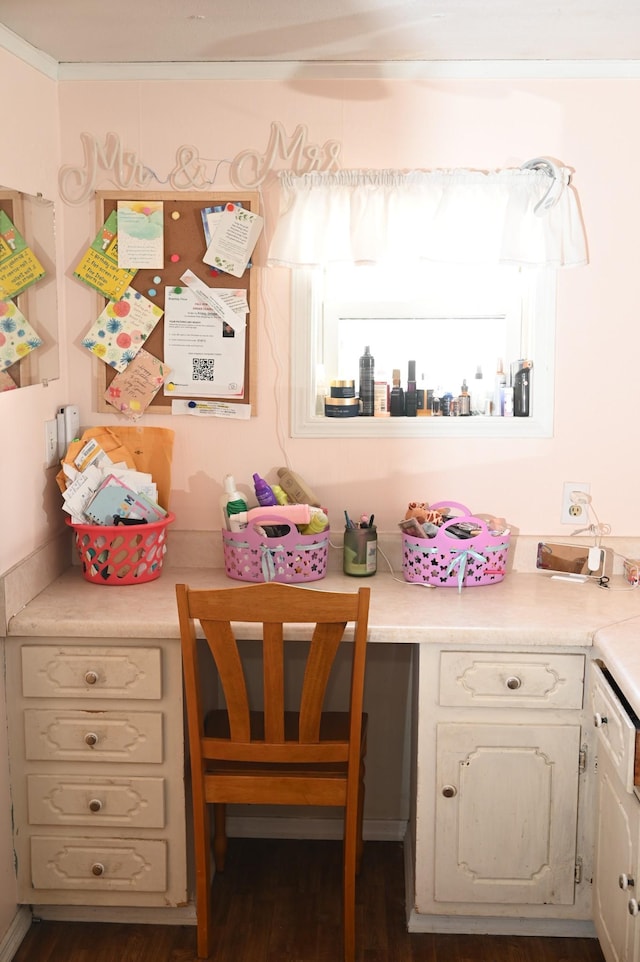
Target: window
{"type": "Point", "coordinates": [450, 320]}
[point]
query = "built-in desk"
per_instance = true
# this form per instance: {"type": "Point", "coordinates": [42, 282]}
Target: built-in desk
{"type": "Point", "coordinates": [478, 744]}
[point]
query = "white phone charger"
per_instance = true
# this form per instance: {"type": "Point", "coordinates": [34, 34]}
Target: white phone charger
{"type": "Point", "coordinates": [594, 559]}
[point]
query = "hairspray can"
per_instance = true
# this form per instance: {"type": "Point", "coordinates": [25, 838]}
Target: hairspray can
{"type": "Point", "coordinates": [521, 380]}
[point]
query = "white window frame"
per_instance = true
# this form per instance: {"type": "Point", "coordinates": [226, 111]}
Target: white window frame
{"type": "Point", "coordinates": [538, 333]}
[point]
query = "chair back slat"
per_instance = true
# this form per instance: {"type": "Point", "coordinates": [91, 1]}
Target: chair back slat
{"type": "Point", "coordinates": [322, 653]}
{"type": "Point", "coordinates": [273, 682]}
{"type": "Point", "coordinates": [224, 648]}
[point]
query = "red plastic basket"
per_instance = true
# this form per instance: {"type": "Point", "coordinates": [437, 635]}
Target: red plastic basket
{"type": "Point", "coordinates": [121, 554]}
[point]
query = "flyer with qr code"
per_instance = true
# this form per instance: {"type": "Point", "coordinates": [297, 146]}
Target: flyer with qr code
{"type": "Point", "coordinates": [206, 356]}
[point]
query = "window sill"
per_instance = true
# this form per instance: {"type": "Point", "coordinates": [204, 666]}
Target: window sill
{"type": "Point", "coordinates": [422, 427]}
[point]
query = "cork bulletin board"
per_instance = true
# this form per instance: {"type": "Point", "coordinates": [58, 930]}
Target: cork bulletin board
{"type": "Point", "coordinates": [184, 248]}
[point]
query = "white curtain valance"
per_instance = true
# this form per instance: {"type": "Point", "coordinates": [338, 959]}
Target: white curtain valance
{"type": "Point", "coordinates": [525, 216]}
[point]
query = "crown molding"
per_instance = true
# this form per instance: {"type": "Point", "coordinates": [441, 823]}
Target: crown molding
{"type": "Point", "coordinates": [30, 55]}
{"type": "Point", "coordinates": [355, 70]}
{"type": "Point", "coordinates": [321, 70]}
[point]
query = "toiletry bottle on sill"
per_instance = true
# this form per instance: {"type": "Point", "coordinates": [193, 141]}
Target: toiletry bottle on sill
{"type": "Point", "coordinates": [397, 396]}
{"type": "Point", "coordinates": [366, 370]}
{"type": "Point", "coordinates": [499, 385]}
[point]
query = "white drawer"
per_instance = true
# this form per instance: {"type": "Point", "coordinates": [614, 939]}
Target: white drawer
{"type": "Point", "coordinates": [616, 731]}
{"type": "Point", "coordinates": [52, 671]}
{"type": "Point", "coordinates": [95, 736]}
{"type": "Point", "coordinates": [94, 801]}
{"type": "Point", "coordinates": [485, 679]}
{"type": "Point", "coordinates": [99, 865]}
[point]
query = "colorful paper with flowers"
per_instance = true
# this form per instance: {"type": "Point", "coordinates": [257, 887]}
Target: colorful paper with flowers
{"type": "Point", "coordinates": [99, 266]}
{"type": "Point", "coordinates": [19, 266]}
{"type": "Point", "coordinates": [17, 337]}
{"type": "Point", "coordinates": [122, 328]}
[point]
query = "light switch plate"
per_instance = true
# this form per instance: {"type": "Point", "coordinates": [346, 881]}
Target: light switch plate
{"type": "Point", "coordinates": [51, 443]}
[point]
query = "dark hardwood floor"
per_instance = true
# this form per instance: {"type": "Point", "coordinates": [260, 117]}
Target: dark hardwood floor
{"type": "Point", "coordinates": [279, 901]}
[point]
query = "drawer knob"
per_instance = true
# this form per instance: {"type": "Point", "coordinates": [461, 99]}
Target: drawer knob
{"type": "Point", "coordinates": [97, 869]}
{"type": "Point", "coordinates": [449, 791]}
{"type": "Point", "coordinates": [95, 805]}
{"type": "Point", "coordinates": [599, 720]}
{"type": "Point", "coordinates": [633, 907]}
{"type": "Point", "coordinates": [513, 682]}
{"type": "Point", "coordinates": [91, 677]}
{"type": "Point", "coordinates": [626, 881]}
{"type": "Point", "coordinates": [91, 739]}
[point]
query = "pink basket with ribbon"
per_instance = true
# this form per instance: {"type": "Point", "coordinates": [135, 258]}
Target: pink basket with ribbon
{"type": "Point", "coordinates": [445, 561]}
{"type": "Point", "coordinates": [291, 558]}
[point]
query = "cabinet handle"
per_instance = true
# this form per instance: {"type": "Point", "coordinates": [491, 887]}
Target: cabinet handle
{"type": "Point", "coordinates": [97, 869]}
{"type": "Point", "coordinates": [599, 720]}
{"type": "Point", "coordinates": [514, 682]}
{"type": "Point", "coordinates": [95, 805]}
{"type": "Point", "coordinates": [449, 791]}
{"type": "Point", "coordinates": [626, 881]}
{"type": "Point", "coordinates": [91, 739]}
{"type": "Point", "coordinates": [91, 677]}
{"type": "Point", "coordinates": [633, 907]}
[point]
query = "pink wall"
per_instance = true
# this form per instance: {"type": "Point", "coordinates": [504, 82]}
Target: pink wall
{"type": "Point", "coordinates": [484, 124]}
{"type": "Point", "coordinates": [28, 162]}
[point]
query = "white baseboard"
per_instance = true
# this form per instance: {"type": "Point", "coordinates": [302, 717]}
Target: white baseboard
{"type": "Point", "coordinates": [133, 915]}
{"type": "Point", "coordinates": [472, 925]}
{"type": "Point", "coordinates": [15, 934]}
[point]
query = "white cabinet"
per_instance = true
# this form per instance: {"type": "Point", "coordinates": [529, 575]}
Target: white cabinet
{"type": "Point", "coordinates": [97, 771]}
{"type": "Point", "coordinates": [500, 828]}
{"type": "Point", "coordinates": [506, 813]}
{"type": "Point", "coordinates": [616, 878]}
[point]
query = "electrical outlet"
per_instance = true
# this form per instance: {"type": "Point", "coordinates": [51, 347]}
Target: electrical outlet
{"type": "Point", "coordinates": [573, 512]}
{"type": "Point", "coordinates": [50, 443]}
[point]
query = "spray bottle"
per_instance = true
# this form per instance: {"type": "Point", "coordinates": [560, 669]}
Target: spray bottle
{"type": "Point", "coordinates": [264, 492]}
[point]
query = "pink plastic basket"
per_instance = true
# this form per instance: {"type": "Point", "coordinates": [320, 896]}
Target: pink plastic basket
{"type": "Point", "coordinates": [449, 562]}
{"type": "Point", "coordinates": [293, 558]}
{"type": "Point", "coordinates": [121, 554]}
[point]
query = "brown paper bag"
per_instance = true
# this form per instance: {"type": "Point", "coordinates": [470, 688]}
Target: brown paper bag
{"type": "Point", "coordinates": [141, 448]}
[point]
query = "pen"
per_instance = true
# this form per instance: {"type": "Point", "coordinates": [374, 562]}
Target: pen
{"type": "Point", "coordinates": [371, 521]}
{"type": "Point", "coordinates": [347, 519]}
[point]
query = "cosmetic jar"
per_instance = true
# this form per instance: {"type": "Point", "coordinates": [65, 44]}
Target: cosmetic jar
{"type": "Point", "coordinates": [341, 407]}
{"type": "Point", "coordinates": [343, 388]}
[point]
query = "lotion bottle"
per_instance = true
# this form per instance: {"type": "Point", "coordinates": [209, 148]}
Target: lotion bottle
{"type": "Point", "coordinates": [235, 506]}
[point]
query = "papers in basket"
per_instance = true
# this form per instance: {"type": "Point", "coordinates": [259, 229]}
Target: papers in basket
{"type": "Point", "coordinates": [99, 490]}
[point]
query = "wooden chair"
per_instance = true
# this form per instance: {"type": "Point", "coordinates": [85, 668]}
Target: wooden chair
{"type": "Point", "coordinates": [267, 754]}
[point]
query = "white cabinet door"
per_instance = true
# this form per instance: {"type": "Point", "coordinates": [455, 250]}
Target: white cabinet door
{"type": "Point", "coordinates": [506, 813]}
{"type": "Point", "coordinates": [616, 886]}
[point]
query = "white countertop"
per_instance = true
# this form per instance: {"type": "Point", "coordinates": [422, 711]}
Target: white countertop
{"type": "Point", "coordinates": [619, 647]}
{"type": "Point", "coordinates": [525, 609]}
